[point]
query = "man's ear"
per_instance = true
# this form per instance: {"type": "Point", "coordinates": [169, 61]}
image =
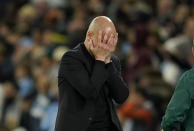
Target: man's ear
{"type": "Point", "coordinates": [89, 34]}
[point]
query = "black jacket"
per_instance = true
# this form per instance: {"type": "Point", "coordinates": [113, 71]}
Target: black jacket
{"type": "Point", "coordinates": [79, 86]}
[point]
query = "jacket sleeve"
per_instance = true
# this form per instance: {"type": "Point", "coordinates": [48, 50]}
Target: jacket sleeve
{"type": "Point", "coordinates": [117, 87]}
{"type": "Point", "coordinates": [74, 72]}
{"type": "Point", "coordinates": [179, 104]}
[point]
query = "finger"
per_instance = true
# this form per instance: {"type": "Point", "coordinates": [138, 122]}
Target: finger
{"type": "Point", "coordinates": [114, 43]}
{"type": "Point", "coordinates": [100, 36]}
{"type": "Point", "coordinates": [112, 49]}
{"type": "Point", "coordinates": [102, 46]}
{"type": "Point", "coordinates": [115, 39]}
{"type": "Point", "coordinates": [107, 49]}
{"type": "Point", "coordinates": [93, 44]}
{"type": "Point", "coordinates": [105, 38]}
{"type": "Point", "coordinates": [110, 40]}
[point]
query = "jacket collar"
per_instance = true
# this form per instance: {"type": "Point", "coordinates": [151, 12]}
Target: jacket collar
{"type": "Point", "coordinates": [86, 52]}
{"type": "Point", "coordinates": [84, 56]}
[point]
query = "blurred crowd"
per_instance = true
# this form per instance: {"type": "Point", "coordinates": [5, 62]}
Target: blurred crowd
{"type": "Point", "coordinates": [155, 40]}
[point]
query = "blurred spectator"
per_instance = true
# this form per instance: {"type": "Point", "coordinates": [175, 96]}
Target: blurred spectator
{"type": "Point", "coordinates": [48, 122]}
{"type": "Point", "coordinates": [165, 11]}
{"type": "Point", "coordinates": [180, 45]}
{"type": "Point", "coordinates": [24, 80]}
{"type": "Point", "coordinates": [41, 102]}
{"type": "Point", "coordinates": [6, 66]}
{"type": "Point", "coordinates": [138, 109]}
{"type": "Point", "coordinates": [10, 108]}
{"type": "Point", "coordinates": [27, 120]}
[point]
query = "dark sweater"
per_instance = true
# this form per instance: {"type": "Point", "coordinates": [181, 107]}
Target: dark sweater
{"type": "Point", "coordinates": [80, 85]}
{"type": "Point", "coordinates": [101, 116]}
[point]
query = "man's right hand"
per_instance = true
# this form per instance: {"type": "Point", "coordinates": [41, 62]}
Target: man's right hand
{"type": "Point", "coordinates": [104, 46]}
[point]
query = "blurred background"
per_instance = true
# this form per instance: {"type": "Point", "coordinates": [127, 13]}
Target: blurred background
{"type": "Point", "coordinates": [155, 40]}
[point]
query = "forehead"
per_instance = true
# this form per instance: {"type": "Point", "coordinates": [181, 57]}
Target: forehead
{"type": "Point", "coordinates": [109, 29]}
{"type": "Point", "coordinates": [100, 23]}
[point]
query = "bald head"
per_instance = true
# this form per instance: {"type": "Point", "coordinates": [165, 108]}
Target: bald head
{"type": "Point", "coordinates": [102, 23]}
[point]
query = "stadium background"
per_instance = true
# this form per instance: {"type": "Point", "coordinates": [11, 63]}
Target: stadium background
{"type": "Point", "coordinates": [155, 40]}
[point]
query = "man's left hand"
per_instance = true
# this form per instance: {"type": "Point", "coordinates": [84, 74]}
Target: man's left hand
{"type": "Point", "coordinates": [112, 47]}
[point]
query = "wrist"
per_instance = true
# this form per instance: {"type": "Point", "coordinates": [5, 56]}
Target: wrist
{"type": "Point", "coordinates": [100, 58]}
{"type": "Point", "coordinates": [107, 60]}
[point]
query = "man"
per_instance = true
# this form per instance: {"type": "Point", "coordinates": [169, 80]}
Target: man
{"type": "Point", "coordinates": [180, 110]}
{"type": "Point", "coordinates": [89, 79]}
